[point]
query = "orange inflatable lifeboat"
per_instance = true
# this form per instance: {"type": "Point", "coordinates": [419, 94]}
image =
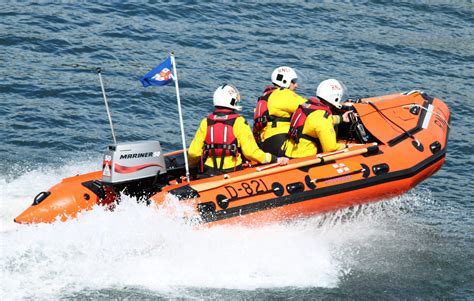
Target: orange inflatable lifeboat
{"type": "Point", "coordinates": [396, 142]}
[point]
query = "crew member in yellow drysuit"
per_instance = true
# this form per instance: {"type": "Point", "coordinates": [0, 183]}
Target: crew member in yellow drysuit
{"type": "Point", "coordinates": [319, 122]}
{"type": "Point", "coordinates": [224, 135]}
{"type": "Point", "coordinates": [282, 102]}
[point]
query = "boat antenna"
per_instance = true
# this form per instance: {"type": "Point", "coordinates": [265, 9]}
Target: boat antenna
{"type": "Point", "coordinates": [99, 70]}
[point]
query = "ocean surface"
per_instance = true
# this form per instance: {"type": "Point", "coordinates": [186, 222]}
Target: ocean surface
{"type": "Point", "coordinates": [53, 124]}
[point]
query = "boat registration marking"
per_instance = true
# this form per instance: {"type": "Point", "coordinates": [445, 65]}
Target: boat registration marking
{"type": "Point", "coordinates": [246, 188]}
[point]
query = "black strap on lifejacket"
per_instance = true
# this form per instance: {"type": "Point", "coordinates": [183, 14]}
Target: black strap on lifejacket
{"type": "Point", "coordinates": [307, 108]}
{"type": "Point", "coordinates": [262, 117]}
{"type": "Point", "coordinates": [231, 147]}
{"type": "Point", "coordinates": [275, 119]}
{"type": "Point", "coordinates": [308, 137]}
{"type": "Point", "coordinates": [267, 92]}
{"type": "Point", "coordinates": [307, 112]}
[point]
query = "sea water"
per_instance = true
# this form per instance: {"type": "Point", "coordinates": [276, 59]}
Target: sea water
{"type": "Point", "coordinates": [53, 124]}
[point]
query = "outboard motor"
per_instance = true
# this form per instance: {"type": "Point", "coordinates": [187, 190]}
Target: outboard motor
{"type": "Point", "coordinates": [136, 169]}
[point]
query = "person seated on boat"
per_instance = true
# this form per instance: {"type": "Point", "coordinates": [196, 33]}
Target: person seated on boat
{"type": "Point", "coordinates": [224, 137]}
{"type": "Point", "coordinates": [312, 125]}
{"type": "Point", "coordinates": [274, 109]}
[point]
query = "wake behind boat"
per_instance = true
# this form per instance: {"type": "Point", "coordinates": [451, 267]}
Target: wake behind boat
{"type": "Point", "coordinates": [396, 140]}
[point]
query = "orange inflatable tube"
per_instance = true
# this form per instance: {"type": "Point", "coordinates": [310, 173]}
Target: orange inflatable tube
{"type": "Point", "coordinates": [402, 141]}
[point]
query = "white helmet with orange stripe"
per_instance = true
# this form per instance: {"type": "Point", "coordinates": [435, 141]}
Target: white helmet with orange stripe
{"type": "Point", "coordinates": [332, 91]}
{"type": "Point", "coordinates": [227, 96]}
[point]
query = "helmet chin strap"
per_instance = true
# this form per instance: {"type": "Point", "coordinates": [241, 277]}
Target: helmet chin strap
{"type": "Point", "coordinates": [329, 103]}
{"type": "Point", "coordinates": [324, 101]}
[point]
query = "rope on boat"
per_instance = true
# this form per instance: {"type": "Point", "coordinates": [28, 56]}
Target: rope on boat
{"type": "Point", "coordinates": [385, 116]}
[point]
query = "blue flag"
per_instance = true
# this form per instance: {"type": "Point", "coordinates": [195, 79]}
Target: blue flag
{"type": "Point", "coordinates": [161, 75]}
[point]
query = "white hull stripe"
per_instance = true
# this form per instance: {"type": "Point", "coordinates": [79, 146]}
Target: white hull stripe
{"type": "Point", "coordinates": [429, 112]}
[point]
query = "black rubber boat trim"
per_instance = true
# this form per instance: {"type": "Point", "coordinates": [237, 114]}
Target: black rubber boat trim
{"type": "Point", "coordinates": [421, 119]}
{"type": "Point", "coordinates": [312, 195]}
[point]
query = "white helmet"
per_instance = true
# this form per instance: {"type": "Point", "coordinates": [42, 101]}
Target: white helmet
{"type": "Point", "coordinates": [332, 91]}
{"type": "Point", "coordinates": [227, 96]}
{"type": "Point", "coordinates": [283, 76]}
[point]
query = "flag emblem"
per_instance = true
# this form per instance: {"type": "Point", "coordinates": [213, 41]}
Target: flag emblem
{"type": "Point", "coordinates": [164, 75]}
{"type": "Point", "coordinates": [160, 75]}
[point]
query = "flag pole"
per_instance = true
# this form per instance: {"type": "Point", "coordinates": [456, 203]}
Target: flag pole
{"type": "Point", "coordinates": [175, 79]}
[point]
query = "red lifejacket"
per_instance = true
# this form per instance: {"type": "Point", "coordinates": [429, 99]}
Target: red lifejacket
{"type": "Point", "coordinates": [220, 139]}
{"type": "Point", "coordinates": [298, 118]}
{"type": "Point", "coordinates": [261, 115]}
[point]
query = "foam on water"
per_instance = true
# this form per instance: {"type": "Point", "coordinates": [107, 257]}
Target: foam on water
{"type": "Point", "coordinates": [139, 246]}
{"type": "Point", "coordinates": [17, 192]}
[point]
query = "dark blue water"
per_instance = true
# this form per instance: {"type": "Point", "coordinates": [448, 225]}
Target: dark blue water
{"type": "Point", "coordinates": [53, 124]}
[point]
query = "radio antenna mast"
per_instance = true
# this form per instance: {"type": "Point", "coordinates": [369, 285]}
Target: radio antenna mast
{"type": "Point", "coordinates": [99, 70]}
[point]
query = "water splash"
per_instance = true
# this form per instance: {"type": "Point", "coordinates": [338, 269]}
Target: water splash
{"type": "Point", "coordinates": [19, 189]}
{"type": "Point", "coordinates": [147, 248]}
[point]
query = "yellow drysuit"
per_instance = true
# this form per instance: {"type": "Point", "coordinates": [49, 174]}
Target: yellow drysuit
{"type": "Point", "coordinates": [319, 124]}
{"type": "Point", "coordinates": [245, 141]}
{"type": "Point", "coordinates": [281, 104]}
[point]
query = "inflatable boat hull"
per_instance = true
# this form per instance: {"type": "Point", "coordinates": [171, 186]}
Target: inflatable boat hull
{"type": "Point", "coordinates": [408, 142]}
